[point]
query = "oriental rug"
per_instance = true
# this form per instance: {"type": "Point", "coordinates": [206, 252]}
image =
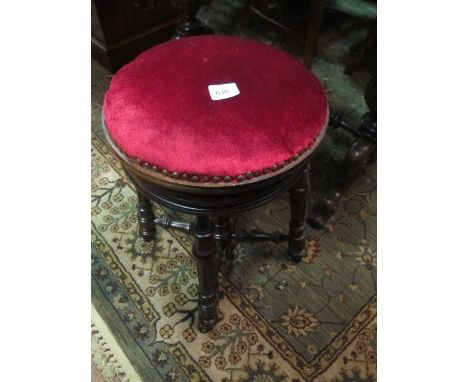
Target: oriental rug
{"type": "Point", "coordinates": [279, 321]}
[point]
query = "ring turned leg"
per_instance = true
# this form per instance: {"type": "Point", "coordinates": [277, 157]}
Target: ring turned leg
{"type": "Point", "coordinates": [146, 224]}
{"type": "Point", "coordinates": [204, 250]}
{"type": "Point", "coordinates": [222, 235]}
{"type": "Point", "coordinates": [298, 202]}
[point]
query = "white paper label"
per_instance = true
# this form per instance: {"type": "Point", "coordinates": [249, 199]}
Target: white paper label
{"type": "Point", "coordinates": [223, 91]}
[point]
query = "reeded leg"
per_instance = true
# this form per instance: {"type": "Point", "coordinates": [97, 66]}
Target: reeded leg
{"type": "Point", "coordinates": [298, 202]}
{"type": "Point", "coordinates": [146, 224]}
{"type": "Point", "coordinates": [204, 250]}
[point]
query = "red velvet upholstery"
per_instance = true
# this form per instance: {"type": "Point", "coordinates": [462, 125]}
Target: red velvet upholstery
{"type": "Point", "coordinates": [158, 108]}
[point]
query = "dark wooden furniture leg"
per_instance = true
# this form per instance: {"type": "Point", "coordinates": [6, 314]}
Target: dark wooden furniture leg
{"type": "Point", "coordinates": [204, 250]}
{"type": "Point", "coordinates": [356, 158]}
{"type": "Point", "coordinates": [298, 202]}
{"type": "Point", "coordinates": [313, 28]}
{"type": "Point", "coordinates": [362, 151]}
{"type": "Point", "coordinates": [222, 233]}
{"type": "Point", "coordinates": [146, 217]}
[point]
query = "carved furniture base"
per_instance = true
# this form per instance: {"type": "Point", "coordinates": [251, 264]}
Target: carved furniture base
{"type": "Point", "coordinates": [213, 230]}
{"type": "Point", "coordinates": [362, 151]}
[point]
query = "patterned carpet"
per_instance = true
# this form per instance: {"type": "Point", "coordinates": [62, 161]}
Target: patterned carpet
{"type": "Point", "coordinates": [312, 321]}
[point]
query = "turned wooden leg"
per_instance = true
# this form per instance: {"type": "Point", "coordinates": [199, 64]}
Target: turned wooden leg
{"type": "Point", "coordinates": [356, 158]}
{"type": "Point", "coordinates": [146, 224]}
{"type": "Point", "coordinates": [204, 250]}
{"type": "Point", "coordinates": [298, 201]}
{"type": "Point", "coordinates": [222, 235]}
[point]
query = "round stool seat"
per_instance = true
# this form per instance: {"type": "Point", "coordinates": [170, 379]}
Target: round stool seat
{"type": "Point", "coordinates": [159, 112]}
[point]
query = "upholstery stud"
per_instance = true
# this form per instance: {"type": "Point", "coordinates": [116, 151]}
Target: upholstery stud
{"type": "Point", "coordinates": [296, 113]}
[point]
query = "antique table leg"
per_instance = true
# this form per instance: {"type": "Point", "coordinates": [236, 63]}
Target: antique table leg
{"type": "Point", "coordinates": [204, 250]}
{"type": "Point", "coordinates": [146, 224]}
{"type": "Point", "coordinates": [298, 201]}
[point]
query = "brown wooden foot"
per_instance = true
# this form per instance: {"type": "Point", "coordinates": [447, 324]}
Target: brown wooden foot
{"type": "Point", "coordinates": [204, 250]}
{"type": "Point", "coordinates": [146, 217]}
{"type": "Point", "coordinates": [298, 202]}
{"type": "Point", "coordinates": [356, 158]}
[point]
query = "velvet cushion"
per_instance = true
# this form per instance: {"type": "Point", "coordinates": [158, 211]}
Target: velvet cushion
{"type": "Point", "coordinates": [158, 108]}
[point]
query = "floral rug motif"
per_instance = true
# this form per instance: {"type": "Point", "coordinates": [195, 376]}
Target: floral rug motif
{"type": "Point", "coordinates": [279, 321]}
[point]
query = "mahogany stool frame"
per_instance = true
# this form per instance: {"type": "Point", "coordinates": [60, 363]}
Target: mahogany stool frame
{"type": "Point", "coordinates": [212, 205]}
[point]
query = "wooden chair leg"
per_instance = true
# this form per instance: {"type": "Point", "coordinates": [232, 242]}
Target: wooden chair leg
{"type": "Point", "coordinates": [245, 18]}
{"type": "Point", "coordinates": [146, 218]}
{"type": "Point", "coordinates": [222, 233]}
{"type": "Point", "coordinates": [313, 29]}
{"type": "Point", "coordinates": [298, 202]}
{"type": "Point", "coordinates": [355, 160]}
{"type": "Point", "coordinates": [204, 250]}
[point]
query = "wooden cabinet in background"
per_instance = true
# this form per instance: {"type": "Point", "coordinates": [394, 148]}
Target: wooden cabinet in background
{"type": "Point", "coordinates": [122, 29]}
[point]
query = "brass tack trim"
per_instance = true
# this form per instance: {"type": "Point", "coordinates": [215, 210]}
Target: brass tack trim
{"type": "Point", "coordinates": [227, 178]}
{"type": "Point", "coordinates": [216, 179]}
